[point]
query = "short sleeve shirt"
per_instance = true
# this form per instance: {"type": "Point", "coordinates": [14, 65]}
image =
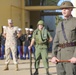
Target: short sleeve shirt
{"type": "Point", "coordinates": [36, 33]}
{"type": "Point", "coordinates": [11, 34]}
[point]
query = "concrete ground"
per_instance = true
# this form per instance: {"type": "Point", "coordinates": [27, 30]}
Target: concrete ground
{"type": "Point", "coordinates": [24, 68]}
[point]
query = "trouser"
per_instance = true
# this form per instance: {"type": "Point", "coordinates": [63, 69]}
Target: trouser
{"type": "Point", "coordinates": [2, 51]}
{"type": "Point", "coordinates": [41, 53]}
{"type": "Point", "coordinates": [66, 69]}
{"type": "Point", "coordinates": [19, 51]}
{"type": "Point", "coordinates": [14, 54]}
{"type": "Point", "coordinates": [26, 51]}
{"type": "Point", "coordinates": [33, 51]}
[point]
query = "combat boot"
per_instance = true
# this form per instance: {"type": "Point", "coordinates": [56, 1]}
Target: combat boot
{"type": "Point", "coordinates": [6, 67]}
{"type": "Point", "coordinates": [36, 72]}
{"type": "Point", "coordinates": [47, 72]}
{"type": "Point", "coordinates": [16, 67]}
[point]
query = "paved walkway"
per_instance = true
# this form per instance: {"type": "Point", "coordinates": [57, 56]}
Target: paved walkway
{"type": "Point", "coordinates": [24, 68]}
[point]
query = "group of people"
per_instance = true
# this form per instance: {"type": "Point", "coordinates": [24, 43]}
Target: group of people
{"type": "Point", "coordinates": [36, 41]}
{"type": "Point", "coordinates": [64, 43]}
{"type": "Point", "coordinates": [23, 41]}
{"type": "Point", "coordinates": [14, 44]}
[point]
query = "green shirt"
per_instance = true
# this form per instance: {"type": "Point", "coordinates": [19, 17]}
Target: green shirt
{"type": "Point", "coordinates": [41, 37]}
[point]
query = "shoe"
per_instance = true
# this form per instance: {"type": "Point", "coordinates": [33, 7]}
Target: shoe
{"type": "Point", "coordinates": [21, 58]}
{"type": "Point", "coordinates": [28, 58]}
{"type": "Point", "coordinates": [24, 57]}
{"type": "Point", "coordinates": [48, 73]}
{"type": "Point", "coordinates": [36, 72]}
{"type": "Point", "coordinates": [16, 69]}
{"type": "Point", "coordinates": [6, 67]}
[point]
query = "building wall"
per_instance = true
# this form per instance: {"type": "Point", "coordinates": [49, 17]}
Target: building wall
{"type": "Point", "coordinates": [34, 18]}
{"type": "Point", "coordinates": [27, 19]}
{"type": "Point", "coordinates": [7, 11]}
{"type": "Point", "coordinates": [13, 9]}
{"type": "Point", "coordinates": [16, 12]}
{"type": "Point", "coordinates": [4, 12]}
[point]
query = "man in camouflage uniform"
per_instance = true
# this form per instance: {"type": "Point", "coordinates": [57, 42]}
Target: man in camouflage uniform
{"type": "Point", "coordinates": [41, 37]}
{"type": "Point", "coordinates": [10, 33]}
{"type": "Point", "coordinates": [64, 44]}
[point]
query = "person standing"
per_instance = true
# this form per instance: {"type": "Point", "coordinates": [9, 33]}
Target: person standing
{"type": "Point", "coordinates": [27, 38]}
{"type": "Point", "coordinates": [2, 43]}
{"type": "Point", "coordinates": [10, 33]}
{"type": "Point", "coordinates": [64, 44]}
{"type": "Point", "coordinates": [41, 37]}
{"type": "Point", "coordinates": [20, 43]}
{"type": "Point", "coordinates": [33, 48]}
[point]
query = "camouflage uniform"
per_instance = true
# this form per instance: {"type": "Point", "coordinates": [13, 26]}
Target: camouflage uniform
{"type": "Point", "coordinates": [11, 44]}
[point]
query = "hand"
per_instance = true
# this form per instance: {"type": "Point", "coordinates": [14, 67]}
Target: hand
{"type": "Point", "coordinates": [54, 60]}
{"type": "Point", "coordinates": [50, 40]}
{"type": "Point", "coordinates": [18, 35]}
{"type": "Point", "coordinates": [73, 60]}
{"type": "Point", "coordinates": [29, 47]}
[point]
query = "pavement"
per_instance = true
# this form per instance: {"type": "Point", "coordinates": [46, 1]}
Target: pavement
{"type": "Point", "coordinates": [24, 68]}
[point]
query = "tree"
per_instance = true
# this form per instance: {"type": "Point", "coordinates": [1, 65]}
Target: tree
{"type": "Point", "coordinates": [58, 19]}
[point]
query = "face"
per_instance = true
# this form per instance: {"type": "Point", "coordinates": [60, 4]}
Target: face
{"type": "Point", "coordinates": [10, 24]}
{"type": "Point", "coordinates": [19, 32]}
{"type": "Point", "coordinates": [27, 31]}
{"type": "Point", "coordinates": [40, 27]}
{"type": "Point", "coordinates": [31, 32]}
{"type": "Point", "coordinates": [66, 12]}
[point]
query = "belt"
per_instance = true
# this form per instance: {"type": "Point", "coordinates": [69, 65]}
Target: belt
{"type": "Point", "coordinates": [40, 44]}
{"type": "Point", "coordinates": [67, 44]}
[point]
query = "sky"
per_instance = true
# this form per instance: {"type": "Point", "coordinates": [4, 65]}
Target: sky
{"type": "Point", "coordinates": [62, 1]}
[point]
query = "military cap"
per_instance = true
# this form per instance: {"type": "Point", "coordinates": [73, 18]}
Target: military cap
{"type": "Point", "coordinates": [31, 29]}
{"type": "Point", "coordinates": [26, 29]}
{"type": "Point", "coordinates": [19, 29]}
{"type": "Point", "coordinates": [66, 4]}
{"type": "Point", "coordinates": [40, 22]}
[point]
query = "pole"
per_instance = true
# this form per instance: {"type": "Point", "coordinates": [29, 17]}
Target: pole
{"type": "Point", "coordinates": [60, 61]}
{"type": "Point", "coordinates": [30, 62]}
